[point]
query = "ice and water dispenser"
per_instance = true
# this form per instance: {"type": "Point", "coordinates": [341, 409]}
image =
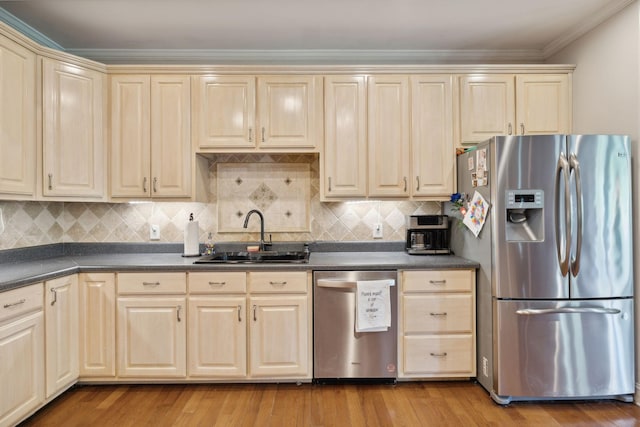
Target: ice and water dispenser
{"type": "Point", "coordinates": [525, 214]}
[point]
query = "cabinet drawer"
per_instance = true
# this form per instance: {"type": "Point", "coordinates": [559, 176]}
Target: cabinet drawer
{"type": "Point", "coordinates": [278, 281]}
{"type": "Point", "coordinates": [439, 355]}
{"type": "Point", "coordinates": [152, 283]}
{"type": "Point", "coordinates": [218, 282]}
{"type": "Point", "coordinates": [21, 300]}
{"type": "Point", "coordinates": [437, 313]}
{"type": "Point", "coordinates": [437, 281]}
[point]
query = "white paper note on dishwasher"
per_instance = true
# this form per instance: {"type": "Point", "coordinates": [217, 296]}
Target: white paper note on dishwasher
{"type": "Point", "coordinates": [373, 305]}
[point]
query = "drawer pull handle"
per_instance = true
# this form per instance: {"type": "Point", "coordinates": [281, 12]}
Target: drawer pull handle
{"type": "Point", "coordinates": [438, 282]}
{"type": "Point", "coordinates": [255, 318]}
{"type": "Point", "coordinates": [178, 313]}
{"type": "Point", "coordinates": [13, 304]}
{"type": "Point", "coordinates": [263, 133]}
{"type": "Point", "coordinates": [438, 354]}
{"type": "Point", "coordinates": [144, 184]}
{"type": "Point", "coordinates": [272, 283]}
{"type": "Point", "coordinates": [150, 283]}
{"type": "Point", "coordinates": [155, 184]}
{"type": "Point", "coordinates": [250, 134]}
{"type": "Point", "coordinates": [55, 296]}
{"type": "Point", "coordinates": [218, 284]}
{"type": "Point", "coordinates": [239, 313]}
{"type": "Point", "coordinates": [50, 181]}
{"type": "Point", "coordinates": [444, 313]}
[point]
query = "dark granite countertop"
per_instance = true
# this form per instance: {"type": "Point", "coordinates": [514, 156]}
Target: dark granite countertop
{"type": "Point", "coordinates": [26, 266]}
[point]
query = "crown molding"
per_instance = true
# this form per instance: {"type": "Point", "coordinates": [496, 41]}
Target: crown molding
{"type": "Point", "coordinates": [28, 30]}
{"type": "Point", "coordinates": [302, 57]}
{"type": "Point", "coordinates": [584, 27]}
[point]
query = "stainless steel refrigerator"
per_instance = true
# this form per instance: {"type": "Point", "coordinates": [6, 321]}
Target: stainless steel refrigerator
{"type": "Point", "coordinates": [555, 287]}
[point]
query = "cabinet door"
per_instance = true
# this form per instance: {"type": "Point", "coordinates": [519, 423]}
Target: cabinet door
{"type": "Point", "coordinates": [224, 109]}
{"type": "Point", "coordinates": [72, 130]}
{"type": "Point", "coordinates": [487, 106]}
{"type": "Point", "coordinates": [151, 337]}
{"type": "Point", "coordinates": [432, 146]}
{"type": "Point", "coordinates": [217, 337]}
{"type": "Point", "coordinates": [97, 324]}
{"type": "Point", "coordinates": [17, 120]}
{"type": "Point", "coordinates": [345, 150]}
{"type": "Point", "coordinates": [130, 136]}
{"type": "Point", "coordinates": [170, 136]}
{"type": "Point", "coordinates": [279, 336]}
{"type": "Point", "coordinates": [22, 367]}
{"type": "Point", "coordinates": [289, 111]}
{"type": "Point", "coordinates": [388, 135]}
{"type": "Point", "coordinates": [543, 104]}
{"type": "Point", "coordinates": [61, 322]}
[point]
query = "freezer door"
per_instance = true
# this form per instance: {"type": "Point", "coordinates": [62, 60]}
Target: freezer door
{"type": "Point", "coordinates": [573, 349]}
{"type": "Point", "coordinates": [602, 246]}
{"type": "Point", "coordinates": [528, 269]}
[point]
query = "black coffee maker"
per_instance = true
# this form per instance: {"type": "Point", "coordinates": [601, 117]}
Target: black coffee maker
{"type": "Point", "coordinates": [428, 235]}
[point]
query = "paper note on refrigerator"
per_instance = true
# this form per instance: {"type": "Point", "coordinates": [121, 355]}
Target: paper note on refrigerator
{"type": "Point", "coordinates": [476, 214]}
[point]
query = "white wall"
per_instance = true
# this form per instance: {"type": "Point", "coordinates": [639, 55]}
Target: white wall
{"type": "Point", "coordinates": [606, 97]}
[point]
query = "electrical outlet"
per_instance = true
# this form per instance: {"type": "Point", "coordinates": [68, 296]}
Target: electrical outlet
{"type": "Point", "coordinates": [154, 232]}
{"type": "Point", "coordinates": [377, 231]}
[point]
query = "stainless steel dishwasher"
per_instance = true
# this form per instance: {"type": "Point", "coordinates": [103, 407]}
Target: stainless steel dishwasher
{"type": "Point", "coordinates": [339, 352]}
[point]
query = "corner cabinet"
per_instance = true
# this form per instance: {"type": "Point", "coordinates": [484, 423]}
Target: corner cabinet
{"type": "Point", "coordinates": [74, 151]}
{"type": "Point", "coordinates": [506, 104]}
{"type": "Point", "coordinates": [150, 136]}
{"type": "Point", "coordinates": [61, 332]}
{"type": "Point", "coordinates": [251, 113]}
{"type": "Point", "coordinates": [151, 325]}
{"type": "Point", "coordinates": [437, 332]}
{"type": "Point", "coordinates": [17, 121]}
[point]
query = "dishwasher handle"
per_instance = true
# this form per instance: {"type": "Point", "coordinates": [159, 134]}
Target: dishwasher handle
{"type": "Point", "coordinates": [341, 284]}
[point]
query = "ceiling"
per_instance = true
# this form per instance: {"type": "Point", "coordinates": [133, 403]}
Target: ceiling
{"type": "Point", "coordinates": [307, 30]}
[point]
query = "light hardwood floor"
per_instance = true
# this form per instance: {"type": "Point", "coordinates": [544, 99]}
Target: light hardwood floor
{"type": "Point", "coordinates": [459, 403]}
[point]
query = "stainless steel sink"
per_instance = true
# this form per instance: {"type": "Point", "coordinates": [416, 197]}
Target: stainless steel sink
{"type": "Point", "coordinates": [288, 257]}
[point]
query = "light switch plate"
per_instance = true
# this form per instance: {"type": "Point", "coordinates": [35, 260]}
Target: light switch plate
{"type": "Point", "coordinates": [154, 232]}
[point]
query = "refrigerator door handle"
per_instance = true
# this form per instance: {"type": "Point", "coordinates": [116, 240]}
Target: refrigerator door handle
{"type": "Point", "coordinates": [567, 310]}
{"type": "Point", "coordinates": [575, 167]}
{"type": "Point", "coordinates": [562, 168]}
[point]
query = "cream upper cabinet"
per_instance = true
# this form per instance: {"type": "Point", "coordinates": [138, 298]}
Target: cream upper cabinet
{"type": "Point", "coordinates": [224, 111]}
{"type": "Point", "coordinates": [289, 111]}
{"type": "Point", "coordinates": [432, 145]}
{"type": "Point", "coordinates": [17, 120]}
{"type": "Point", "coordinates": [97, 296]}
{"type": "Point", "coordinates": [543, 104]}
{"type": "Point", "coordinates": [388, 125]}
{"type": "Point", "coordinates": [344, 160]}
{"type": "Point", "coordinates": [150, 136]}
{"type": "Point", "coordinates": [264, 112]}
{"type": "Point", "coordinates": [74, 153]}
{"type": "Point", "coordinates": [507, 104]}
{"type": "Point", "coordinates": [61, 333]}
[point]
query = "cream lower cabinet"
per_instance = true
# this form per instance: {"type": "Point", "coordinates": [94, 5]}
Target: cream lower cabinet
{"type": "Point", "coordinates": [97, 341]}
{"type": "Point", "coordinates": [21, 352]}
{"type": "Point", "coordinates": [437, 324]}
{"type": "Point", "coordinates": [73, 117]}
{"type": "Point", "coordinates": [61, 333]}
{"type": "Point", "coordinates": [279, 325]}
{"type": "Point", "coordinates": [217, 337]}
{"type": "Point", "coordinates": [151, 325]}
{"type": "Point", "coordinates": [507, 104]}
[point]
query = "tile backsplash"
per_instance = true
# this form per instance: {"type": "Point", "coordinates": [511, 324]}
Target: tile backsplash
{"type": "Point", "coordinates": [24, 224]}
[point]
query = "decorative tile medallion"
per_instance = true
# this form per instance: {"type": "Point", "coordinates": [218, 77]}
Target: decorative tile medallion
{"type": "Point", "coordinates": [281, 191]}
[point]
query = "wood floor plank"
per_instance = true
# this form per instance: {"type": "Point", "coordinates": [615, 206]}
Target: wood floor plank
{"type": "Point", "coordinates": [459, 403]}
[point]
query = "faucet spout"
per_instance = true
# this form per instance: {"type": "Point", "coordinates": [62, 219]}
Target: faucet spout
{"type": "Point", "coordinates": [263, 244]}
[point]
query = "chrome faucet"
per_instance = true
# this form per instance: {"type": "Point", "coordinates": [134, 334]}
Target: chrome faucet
{"type": "Point", "coordinates": [263, 244]}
